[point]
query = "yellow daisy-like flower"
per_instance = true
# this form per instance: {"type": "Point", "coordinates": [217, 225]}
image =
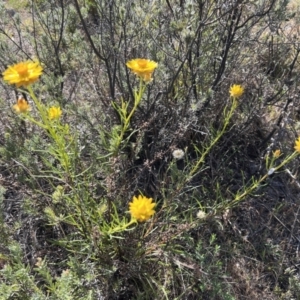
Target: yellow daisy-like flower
{"type": "Point", "coordinates": [276, 153]}
{"type": "Point", "coordinates": [141, 208]}
{"type": "Point", "coordinates": [142, 68]}
{"type": "Point", "coordinates": [23, 73]}
{"type": "Point", "coordinates": [297, 145]}
{"type": "Point", "coordinates": [54, 113]}
{"type": "Point", "coordinates": [22, 106]}
{"type": "Point", "coordinates": [236, 91]}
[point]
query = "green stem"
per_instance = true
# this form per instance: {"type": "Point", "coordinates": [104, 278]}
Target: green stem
{"type": "Point", "coordinates": [47, 125]}
{"type": "Point", "coordinates": [121, 227]}
{"type": "Point", "coordinates": [212, 144]}
{"type": "Point", "coordinates": [228, 116]}
{"type": "Point", "coordinates": [39, 106]}
{"type": "Point", "coordinates": [255, 185]}
{"type": "Point", "coordinates": [32, 120]}
{"type": "Point", "coordinates": [127, 118]}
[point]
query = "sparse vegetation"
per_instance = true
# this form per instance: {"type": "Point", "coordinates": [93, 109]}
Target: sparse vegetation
{"type": "Point", "coordinates": [149, 150]}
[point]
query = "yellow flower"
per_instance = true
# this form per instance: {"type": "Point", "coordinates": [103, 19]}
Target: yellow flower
{"type": "Point", "coordinates": [236, 91]}
{"type": "Point", "coordinates": [141, 208]}
{"type": "Point", "coordinates": [276, 153]}
{"type": "Point", "coordinates": [22, 106]}
{"type": "Point", "coordinates": [297, 145]}
{"type": "Point", "coordinates": [54, 113]}
{"type": "Point", "coordinates": [142, 67]}
{"type": "Point", "coordinates": [23, 73]}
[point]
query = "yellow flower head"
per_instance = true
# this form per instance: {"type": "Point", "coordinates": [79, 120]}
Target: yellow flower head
{"type": "Point", "coordinates": [23, 73]}
{"type": "Point", "coordinates": [22, 106]}
{"type": "Point", "coordinates": [141, 208]}
{"type": "Point", "coordinates": [54, 113]}
{"type": "Point", "coordinates": [276, 153]}
{"type": "Point", "coordinates": [142, 68]}
{"type": "Point", "coordinates": [297, 145]}
{"type": "Point", "coordinates": [236, 91]}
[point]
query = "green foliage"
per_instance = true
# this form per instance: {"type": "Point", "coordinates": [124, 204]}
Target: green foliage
{"type": "Point", "coordinates": [206, 158]}
{"type": "Point", "coordinates": [19, 282]}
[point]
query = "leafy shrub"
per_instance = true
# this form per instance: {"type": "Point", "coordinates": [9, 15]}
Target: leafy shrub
{"type": "Point", "coordinates": [194, 136]}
